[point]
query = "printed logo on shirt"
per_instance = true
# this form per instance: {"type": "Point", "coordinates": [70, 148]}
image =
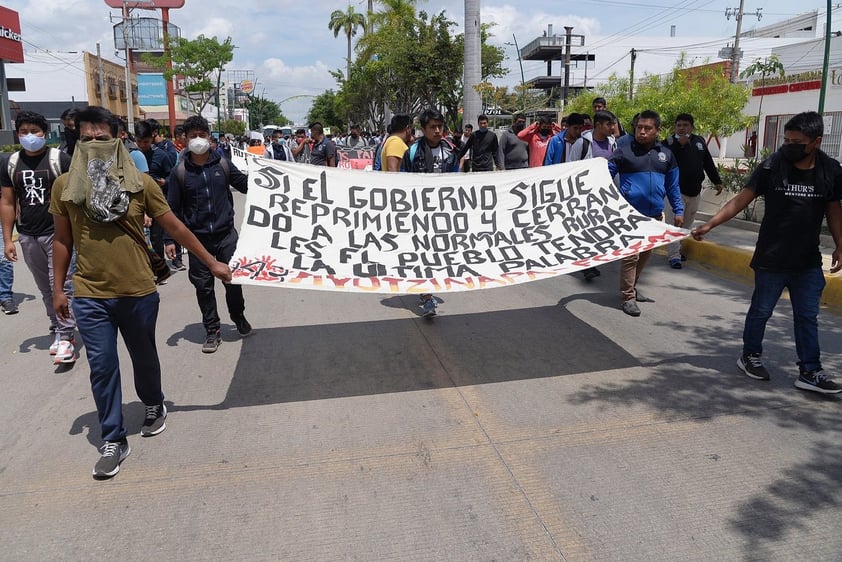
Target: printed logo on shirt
{"type": "Point", "coordinates": [662, 157]}
{"type": "Point", "coordinates": [700, 146]}
{"type": "Point", "coordinates": [802, 191]}
{"type": "Point", "coordinates": [34, 185]}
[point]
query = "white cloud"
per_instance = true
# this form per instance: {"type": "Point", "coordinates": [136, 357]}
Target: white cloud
{"type": "Point", "coordinates": [216, 27]}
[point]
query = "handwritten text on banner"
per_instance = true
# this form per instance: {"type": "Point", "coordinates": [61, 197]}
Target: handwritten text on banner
{"type": "Point", "coordinates": [347, 230]}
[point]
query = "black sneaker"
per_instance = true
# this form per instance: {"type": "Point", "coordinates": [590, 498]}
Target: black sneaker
{"type": "Point", "coordinates": [591, 273]}
{"type": "Point", "coordinates": [177, 265]}
{"type": "Point", "coordinates": [752, 366]}
{"type": "Point", "coordinates": [817, 381]}
{"type": "Point", "coordinates": [212, 342]}
{"type": "Point", "coordinates": [243, 326]}
{"type": "Point", "coordinates": [9, 307]}
{"type": "Point", "coordinates": [155, 420]}
{"type": "Point", "coordinates": [113, 453]}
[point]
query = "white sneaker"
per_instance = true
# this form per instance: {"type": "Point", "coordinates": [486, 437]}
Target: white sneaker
{"type": "Point", "coordinates": [66, 352]}
{"type": "Point", "coordinates": [54, 346]}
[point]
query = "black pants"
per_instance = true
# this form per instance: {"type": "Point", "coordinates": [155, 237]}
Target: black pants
{"type": "Point", "coordinates": [220, 246]}
{"type": "Point", "coordinates": [156, 237]}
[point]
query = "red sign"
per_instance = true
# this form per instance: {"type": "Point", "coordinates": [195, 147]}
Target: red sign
{"type": "Point", "coordinates": [802, 86]}
{"type": "Point", "coordinates": [11, 44]}
{"type": "Point", "coordinates": [787, 88]}
{"type": "Point", "coordinates": [145, 4]}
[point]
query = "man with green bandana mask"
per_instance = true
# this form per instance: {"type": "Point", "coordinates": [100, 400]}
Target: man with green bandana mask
{"type": "Point", "coordinates": [114, 284]}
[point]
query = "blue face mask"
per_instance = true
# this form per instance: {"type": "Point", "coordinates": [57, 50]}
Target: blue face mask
{"type": "Point", "coordinates": [483, 129]}
{"type": "Point", "coordinates": [32, 143]}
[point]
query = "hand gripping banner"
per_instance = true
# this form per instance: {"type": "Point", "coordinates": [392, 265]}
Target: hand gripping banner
{"type": "Point", "coordinates": [310, 227]}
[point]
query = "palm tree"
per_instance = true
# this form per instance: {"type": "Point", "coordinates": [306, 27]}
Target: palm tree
{"type": "Point", "coordinates": [347, 22]}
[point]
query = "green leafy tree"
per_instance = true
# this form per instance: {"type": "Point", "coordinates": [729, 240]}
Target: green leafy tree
{"type": "Point", "coordinates": [264, 111]}
{"type": "Point", "coordinates": [236, 128]}
{"type": "Point", "coordinates": [770, 66]}
{"type": "Point", "coordinates": [348, 23]}
{"type": "Point", "coordinates": [409, 60]}
{"type": "Point", "coordinates": [324, 110]}
{"type": "Point", "coordinates": [705, 92]}
{"type": "Point", "coordinates": [201, 62]}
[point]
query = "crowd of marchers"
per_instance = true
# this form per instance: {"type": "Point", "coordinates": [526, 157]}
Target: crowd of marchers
{"type": "Point", "coordinates": [103, 220]}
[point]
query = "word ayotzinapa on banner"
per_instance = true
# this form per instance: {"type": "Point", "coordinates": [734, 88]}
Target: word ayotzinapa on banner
{"type": "Point", "coordinates": [346, 230]}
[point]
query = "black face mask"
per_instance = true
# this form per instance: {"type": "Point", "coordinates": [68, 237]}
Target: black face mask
{"type": "Point", "coordinates": [546, 132]}
{"type": "Point", "coordinates": [518, 127]}
{"type": "Point", "coordinates": [793, 152]}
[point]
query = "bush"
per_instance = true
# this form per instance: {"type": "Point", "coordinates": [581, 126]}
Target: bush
{"type": "Point", "coordinates": [735, 177]}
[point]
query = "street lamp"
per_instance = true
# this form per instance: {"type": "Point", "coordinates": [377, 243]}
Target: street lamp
{"type": "Point", "coordinates": [520, 62]}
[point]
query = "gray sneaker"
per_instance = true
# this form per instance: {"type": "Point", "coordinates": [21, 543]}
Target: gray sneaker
{"type": "Point", "coordinates": [752, 366]}
{"type": "Point", "coordinates": [631, 308]}
{"type": "Point", "coordinates": [9, 307]}
{"type": "Point", "coordinates": [212, 341]}
{"type": "Point", "coordinates": [113, 453]}
{"type": "Point", "coordinates": [155, 420]}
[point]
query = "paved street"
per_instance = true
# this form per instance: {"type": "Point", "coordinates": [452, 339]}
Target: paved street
{"type": "Point", "coordinates": [535, 422]}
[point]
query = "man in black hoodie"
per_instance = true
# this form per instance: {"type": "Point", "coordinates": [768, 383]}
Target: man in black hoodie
{"type": "Point", "coordinates": [199, 194]}
{"type": "Point", "coordinates": [484, 148]}
{"type": "Point", "coordinates": [694, 159]}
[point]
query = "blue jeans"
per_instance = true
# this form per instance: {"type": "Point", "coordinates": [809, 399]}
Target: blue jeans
{"type": "Point", "coordinates": [805, 291]}
{"type": "Point", "coordinates": [7, 273]}
{"type": "Point", "coordinates": [98, 321]}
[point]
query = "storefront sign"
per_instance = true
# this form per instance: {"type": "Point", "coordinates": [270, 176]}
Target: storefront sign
{"type": "Point", "coordinates": [11, 44]}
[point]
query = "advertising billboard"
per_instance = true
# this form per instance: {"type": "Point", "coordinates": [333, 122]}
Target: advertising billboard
{"type": "Point", "coordinates": [151, 89]}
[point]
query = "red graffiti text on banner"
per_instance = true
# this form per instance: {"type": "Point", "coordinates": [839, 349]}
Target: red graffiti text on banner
{"type": "Point", "coordinates": [260, 269]}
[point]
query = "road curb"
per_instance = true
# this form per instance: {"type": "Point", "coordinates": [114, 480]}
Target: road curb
{"type": "Point", "coordinates": [737, 260]}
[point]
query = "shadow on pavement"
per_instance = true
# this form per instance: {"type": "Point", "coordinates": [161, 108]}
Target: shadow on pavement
{"type": "Point", "coordinates": [788, 504]}
{"type": "Point", "coordinates": [704, 381]}
{"type": "Point", "coordinates": [301, 363]}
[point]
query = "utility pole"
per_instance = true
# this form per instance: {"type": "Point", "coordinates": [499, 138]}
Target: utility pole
{"type": "Point", "coordinates": [522, 78]}
{"type": "Point", "coordinates": [825, 65]}
{"type": "Point", "coordinates": [102, 100]}
{"type": "Point", "coordinates": [735, 53]}
{"type": "Point", "coordinates": [129, 100]}
{"type": "Point", "coordinates": [631, 73]}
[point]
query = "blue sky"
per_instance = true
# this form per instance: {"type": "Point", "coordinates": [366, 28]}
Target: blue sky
{"type": "Point", "coordinates": [291, 51]}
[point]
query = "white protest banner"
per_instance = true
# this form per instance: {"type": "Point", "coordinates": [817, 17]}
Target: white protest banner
{"type": "Point", "coordinates": [346, 230]}
{"type": "Point", "coordinates": [240, 158]}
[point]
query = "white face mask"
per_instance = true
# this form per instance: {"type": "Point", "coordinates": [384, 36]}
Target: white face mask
{"type": "Point", "coordinates": [32, 143]}
{"type": "Point", "coordinates": [198, 145]}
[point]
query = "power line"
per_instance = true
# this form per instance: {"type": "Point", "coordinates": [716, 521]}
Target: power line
{"type": "Point", "coordinates": [634, 28]}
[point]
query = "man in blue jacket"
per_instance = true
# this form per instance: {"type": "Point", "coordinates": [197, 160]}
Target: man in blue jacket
{"type": "Point", "coordinates": [559, 146]}
{"type": "Point", "coordinates": [199, 194]}
{"type": "Point", "coordinates": [648, 172]}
